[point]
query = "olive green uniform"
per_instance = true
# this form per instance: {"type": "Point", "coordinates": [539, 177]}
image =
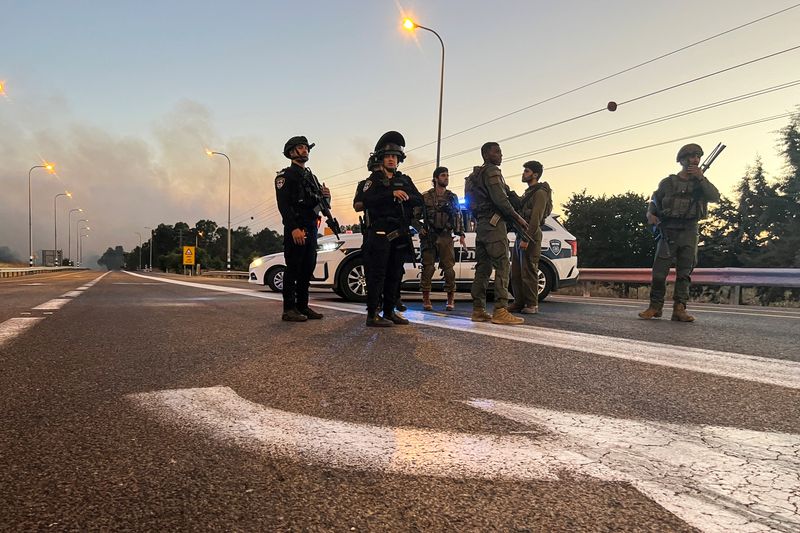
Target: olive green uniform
{"type": "Point", "coordinates": [442, 220]}
{"type": "Point", "coordinates": [679, 204]}
{"type": "Point", "coordinates": [491, 241]}
{"type": "Point", "coordinates": [525, 263]}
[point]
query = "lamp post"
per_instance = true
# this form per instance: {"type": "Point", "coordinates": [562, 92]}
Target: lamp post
{"type": "Point", "coordinates": [151, 247]}
{"type": "Point", "coordinates": [69, 230]}
{"type": "Point", "coordinates": [80, 252]}
{"type": "Point", "coordinates": [140, 249]}
{"type": "Point", "coordinates": [210, 153]}
{"type": "Point", "coordinates": [55, 222]}
{"type": "Point", "coordinates": [77, 239]}
{"type": "Point", "coordinates": [411, 25]}
{"type": "Point", "coordinates": [49, 167]}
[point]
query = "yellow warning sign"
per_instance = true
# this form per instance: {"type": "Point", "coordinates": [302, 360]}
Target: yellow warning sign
{"type": "Point", "coordinates": [188, 255]}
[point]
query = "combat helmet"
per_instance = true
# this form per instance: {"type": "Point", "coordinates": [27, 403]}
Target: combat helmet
{"type": "Point", "coordinates": [373, 163]}
{"type": "Point", "coordinates": [390, 143]}
{"type": "Point", "coordinates": [688, 149]}
{"type": "Point", "coordinates": [296, 141]}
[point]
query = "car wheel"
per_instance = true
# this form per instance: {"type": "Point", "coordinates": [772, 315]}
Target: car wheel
{"type": "Point", "coordinates": [352, 282]}
{"type": "Point", "coordinates": [546, 281]}
{"type": "Point", "coordinates": [274, 278]}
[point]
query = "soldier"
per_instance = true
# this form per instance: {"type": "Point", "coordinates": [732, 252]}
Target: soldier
{"type": "Point", "coordinates": [680, 201]}
{"type": "Point", "coordinates": [298, 202]}
{"type": "Point", "coordinates": [389, 197]}
{"type": "Point", "coordinates": [487, 194]}
{"type": "Point", "coordinates": [441, 219]}
{"type": "Point", "coordinates": [534, 206]}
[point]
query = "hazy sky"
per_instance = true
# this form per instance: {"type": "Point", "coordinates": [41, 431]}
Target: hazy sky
{"type": "Point", "coordinates": [125, 96]}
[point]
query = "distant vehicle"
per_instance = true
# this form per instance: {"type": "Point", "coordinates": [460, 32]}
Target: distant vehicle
{"type": "Point", "coordinates": [340, 264]}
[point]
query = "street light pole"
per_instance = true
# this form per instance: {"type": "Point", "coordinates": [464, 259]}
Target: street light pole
{"type": "Point", "coordinates": [69, 232]}
{"type": "Point", "coordinates": [210, 153]}
{"type": "Point", "coordinates": [410, 25]}
{"type": "Point", "coordinates": [151, 247]}
{"type": "Point", "coordinates": [55, 223]}
{"type": "Point", "coordinates": [78, 238]}
{"type": "Point", "coordinates": [80, 253]}
{"type": "Point", "coordinates": [140, 249]}
{"type": "Point", "coordinates": [49, 168]}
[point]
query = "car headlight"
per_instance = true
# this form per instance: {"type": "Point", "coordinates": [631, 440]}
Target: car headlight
{"type": "Point", "coordinates": [330, 246]}
{"type": "Point", "coordinates": [256, 263]}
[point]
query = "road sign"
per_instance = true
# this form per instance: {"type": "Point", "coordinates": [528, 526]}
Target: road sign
{"type": "Point", "coordinates": [188, 255]}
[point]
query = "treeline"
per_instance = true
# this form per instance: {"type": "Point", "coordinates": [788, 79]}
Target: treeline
{"type": "Point", "coordinates": [758, 227]}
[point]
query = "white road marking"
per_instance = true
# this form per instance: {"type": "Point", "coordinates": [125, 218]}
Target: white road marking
{"type": "Point", "coordinates": [715, 478]}
{"type": "Point", "coordinates": [31, 284]}
{"type": "Point", "coordinates": [55, 303]}
{"type": "Point", "coordinates": [82, 288]}
{"type": "Point", "coordinates": [726, 364]}
{"type": "Point", "coordinates": [16, 326]}
{"type": "Point", "coordinates": [71, 294]}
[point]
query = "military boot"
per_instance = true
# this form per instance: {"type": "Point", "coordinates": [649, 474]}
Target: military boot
{"type": "Point", "coordinates": [396, 319]}
{"type": "Point", "coordinates": [374, 320]}
{"type": "Point", "coordinates": [502, 316]}
{"type": "Point", "coordinates": [515, 307]}
{"type": "Point", "coordinates": [451, 301]}
{"type": "Point", "coordinates": [293, 315]}
{"type": "Point", "coordinates": [311, 314]}
{"type": "Point", "coordinates": [479, 314]}
{"type": "Point", "coordinates": [679, 313]}
{"type": "Point", "coordinates": [653, 311]}
{"type": "Point", "coordinates": [426, 301]}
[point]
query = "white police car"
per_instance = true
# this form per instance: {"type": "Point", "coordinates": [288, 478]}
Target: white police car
{"type": "Point", "coordinates": [340, 264]}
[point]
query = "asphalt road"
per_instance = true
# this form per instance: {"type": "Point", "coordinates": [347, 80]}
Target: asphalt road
{"type": "Point", "coordinates": [86, 446]}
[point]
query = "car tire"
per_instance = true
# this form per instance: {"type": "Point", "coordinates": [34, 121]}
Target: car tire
{"type": "Point", "coordinates": [351, 282]}
{"type": "Point", "coordinates": [546, 281]}
{"type": "Point", "coordinates": [274, 278]}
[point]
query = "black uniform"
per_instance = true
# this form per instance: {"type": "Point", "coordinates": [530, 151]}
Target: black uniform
{"type": "Point", "coordinates": [299, 208]}
{"type": "Point", "coordinates": [387, 241]}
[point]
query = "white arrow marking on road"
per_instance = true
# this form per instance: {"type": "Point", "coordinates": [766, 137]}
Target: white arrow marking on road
{"type": "Point", "coordinates": [715, 478]}
{"type": "Point", "coordinates": [727, 364]}
{"type": "Point", "coordinates": [16, 326]}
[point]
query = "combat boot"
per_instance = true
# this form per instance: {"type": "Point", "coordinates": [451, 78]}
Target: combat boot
{"type": "Point", "coordinates": [451, 301]}
{"type": "Point", "coordinates": [502, 316]}
{"type": "Point", "coordinates": [400, 306]}
{"type": "Point", "coordinates": [426, 301]}
{"type": "Point", "coordinates": [374, 320]}
{"type": "Point", "coordinates": [479, 314]}
{"type": "Point", "coordinates": [653, 311]}
{"type": "Point", "coordinates": [396, 319]}
{"type": "Point", "coordinates": [679, 313]}
{"type": "Point", "coordinates": [293, 315]}
{"type": "Point", "coordinates": [515, 307]}
{"type": "Point", "coordinates": [311, 314]}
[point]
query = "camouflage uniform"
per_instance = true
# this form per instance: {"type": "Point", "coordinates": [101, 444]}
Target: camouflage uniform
{"type": "Point", "coordinates": [525, 263]}
{"type": "Point", "coordinates": [443, 219]}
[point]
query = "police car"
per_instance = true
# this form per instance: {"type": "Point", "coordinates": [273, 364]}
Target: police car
{"type": "Point", "coordinates": [340, 264]}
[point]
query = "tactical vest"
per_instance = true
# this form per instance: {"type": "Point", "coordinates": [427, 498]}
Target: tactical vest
{"type": "Point", "coordinates": [441, 210]}
{"type": "Point", "coordinates": [527, 205]}
{"type": "Point", "coordinates": [682, 199]}
{"type": "Point", "coordinates": [477, 195]}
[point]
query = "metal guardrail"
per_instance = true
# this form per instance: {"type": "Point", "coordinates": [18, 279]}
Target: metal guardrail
{"type": "Point", "coordinates": [736, 278]}
{"type": "Point", "coordinates": [27, 271]}
{"type": "Point", "coordinates": [225, 274]}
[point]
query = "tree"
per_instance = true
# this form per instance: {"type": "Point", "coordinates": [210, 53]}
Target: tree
{"type": "Point", "coordinates": [113, 259]}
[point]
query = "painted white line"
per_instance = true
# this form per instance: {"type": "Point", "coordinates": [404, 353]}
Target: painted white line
{"type": "Point", "coordinates": [14, 327]}
{"type": "Point", "coordinates": [718, 363]}
{"type": "Point", "coordinates": [82, 288]}
{"type": "Point", "coordinates": [32, 284]}
{"type": "Point", "coordinates": [71, 294]}
{"type": "Point", "coordinates": [718, 479]}
{"type": "Point", "coordinates": [55, 303]}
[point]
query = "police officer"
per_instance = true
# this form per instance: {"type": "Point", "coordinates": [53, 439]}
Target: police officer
{"type": "Point", "coordinates": [441, 219]}
{"type": "Point", "coordinates": [491, 206]}
{"type": "Point", "coordinates": [389, 198]}
{"type": "Point", "coordinates": [680, 201]}
{"type": "Point", "coordinates": [534, 206]}
{"type": "Point", "coordinates": [298, 202]}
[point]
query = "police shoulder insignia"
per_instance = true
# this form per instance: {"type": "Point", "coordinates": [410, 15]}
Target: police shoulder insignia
{"type": "Point", "coordinates": [367, 185]}
{"type": "Point", "coordinates": [279, 181]}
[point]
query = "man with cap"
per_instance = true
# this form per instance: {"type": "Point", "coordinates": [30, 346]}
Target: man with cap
{"type": "Point", "coordinates": [535, 205]}
{"type": "Point", "coordinates": [441, 219]}
{"type": "Point", "coordinates": [299, 201]}
{"type": "Point", "coordinates": [488, 195]}
{"type": "Point", "coordinates": [389, 198]}
{"type": "Point", "coordinates": [675, 208]}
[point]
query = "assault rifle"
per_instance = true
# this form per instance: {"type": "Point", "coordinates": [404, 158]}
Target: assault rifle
{"type": "Point", "coordinates": [325, 207]}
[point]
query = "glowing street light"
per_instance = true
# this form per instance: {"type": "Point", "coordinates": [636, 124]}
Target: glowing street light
{"type": "Point", "coordinates": [69, 232]}
{"type": "Point", "coordinates": [410, 25]}
{"type": "Point", "coordinates": [209, 153]}
{"type": "Point", "coordinates": [55, 222]}
{"type": "Point", "coordinates": [80, 248]}
{"type": "Point", "coordinates": [77, 240]}
{"type": "Point", "coordinates": [50, 168]}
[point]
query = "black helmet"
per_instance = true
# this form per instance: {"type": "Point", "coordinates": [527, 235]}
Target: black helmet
{"type": "Point", "coordinates": [688, 149]}
{"type": "Point", "coordinates": [295, 141]}
{"type": "Point", "coordinates": [373, 162]}
{"type": "Point", "coordinates": [390, 143]}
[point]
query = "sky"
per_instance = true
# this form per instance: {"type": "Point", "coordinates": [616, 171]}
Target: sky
{"type": "Point", "coordinates": [124, 97]}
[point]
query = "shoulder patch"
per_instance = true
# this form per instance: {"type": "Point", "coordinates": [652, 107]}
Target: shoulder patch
{"type": "Point", "coordinates": [279, 181]}
{"type": "Point", "coordinates": [367, 185]}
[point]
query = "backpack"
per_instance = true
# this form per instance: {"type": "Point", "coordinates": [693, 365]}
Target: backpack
{"type": "Point", "coordinates": [474, 192]}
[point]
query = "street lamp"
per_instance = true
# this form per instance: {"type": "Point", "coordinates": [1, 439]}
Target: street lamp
{"type": "Point", "coordinates": [80, 253]}
{"type": "Point", "coordinates": [410, 25]}
{"type": "Point", "coordinates": [151, 247]}
{"type": "Point", "coordinates": [55, 222]}
{"type": "Point", "coordinates": [77, 239]}
{"type": "Point", "coordinates": [209, 153]}
{"type": "Point", "coordinates": [140, 249]}
{"type": "Point", "coordinates": [69, 231]}
{"type": "Point", "coordinates": [49, 167]}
